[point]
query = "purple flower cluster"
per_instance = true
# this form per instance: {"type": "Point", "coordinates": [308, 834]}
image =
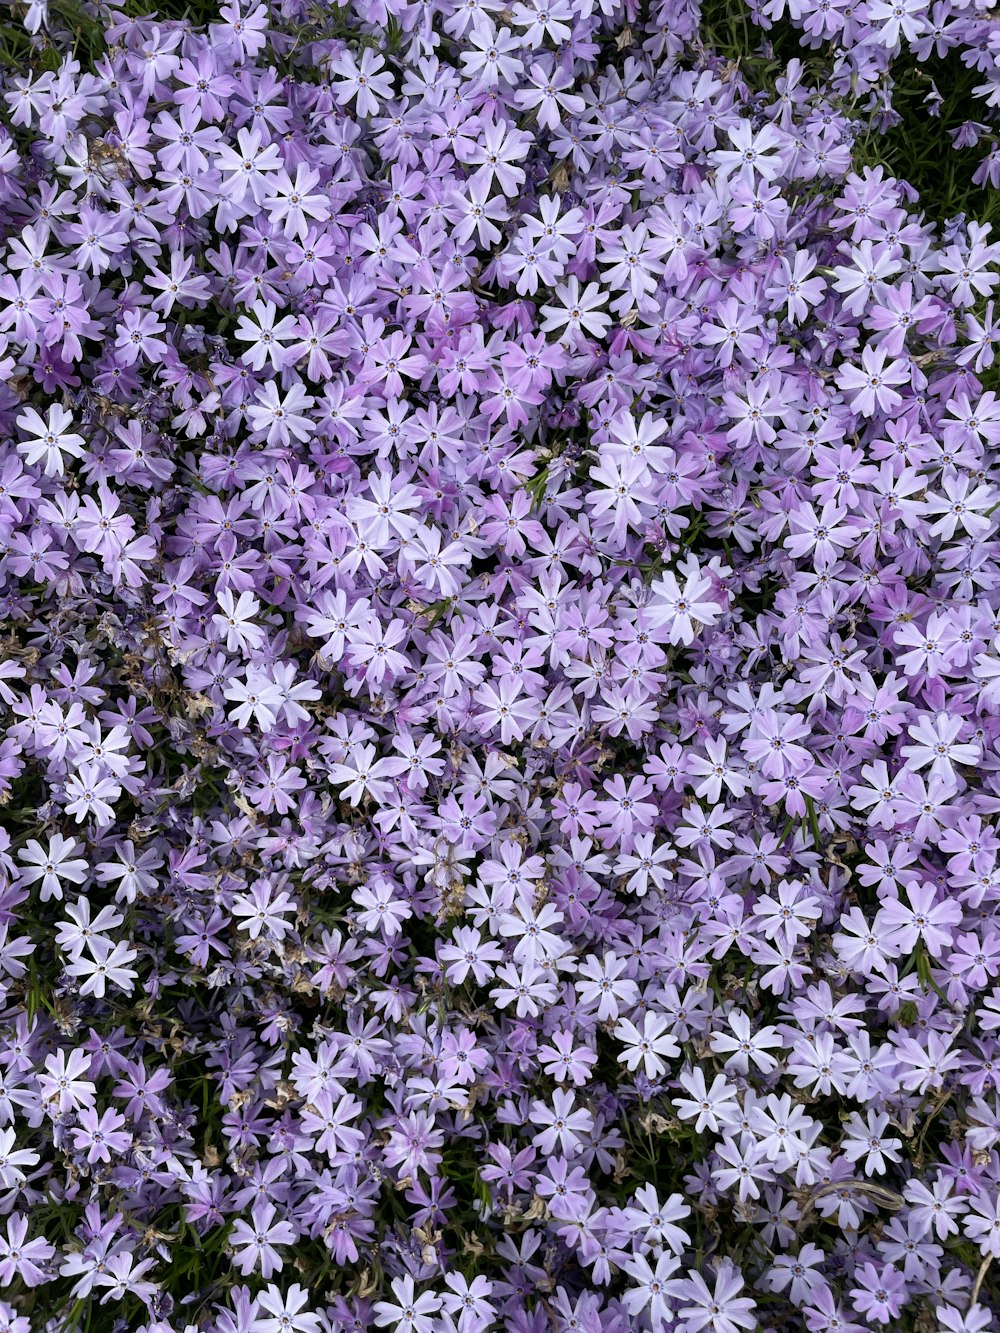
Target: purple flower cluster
{"type": "Point", "coordinates": [500, 694]}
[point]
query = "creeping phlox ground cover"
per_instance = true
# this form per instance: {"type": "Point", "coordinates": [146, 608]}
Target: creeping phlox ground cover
{"type": "Point", "coordinates": [500, 681]}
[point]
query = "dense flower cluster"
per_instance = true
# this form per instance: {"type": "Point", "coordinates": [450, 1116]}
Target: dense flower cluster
{"type": "Point", "coordinates": [500, 691]}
